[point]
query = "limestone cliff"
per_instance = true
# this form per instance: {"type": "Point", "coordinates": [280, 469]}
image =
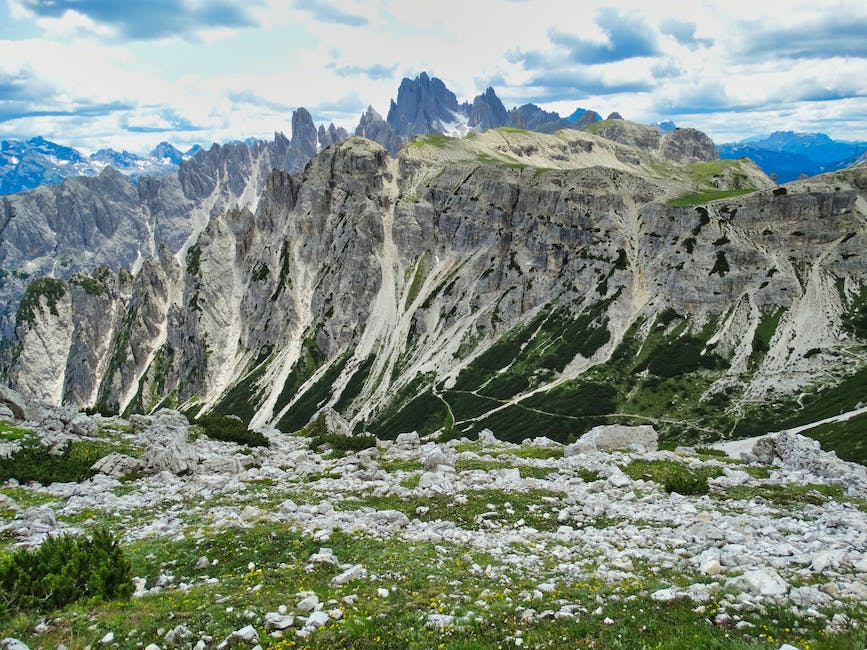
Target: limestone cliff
{"type": "Point", "coordinates": [533, 284]}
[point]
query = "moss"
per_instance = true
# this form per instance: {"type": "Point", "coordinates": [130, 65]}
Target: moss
{"type": "Point", "coordinates": [44, 289]}
{"type": "Point", "coordinates": [697, 198]}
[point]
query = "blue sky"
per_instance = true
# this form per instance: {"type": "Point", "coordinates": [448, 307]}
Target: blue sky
{"type": "Point", "coordinates": [128, 74]}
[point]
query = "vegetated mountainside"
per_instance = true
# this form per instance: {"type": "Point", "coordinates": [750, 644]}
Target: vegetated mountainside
{"type": "Point", "coordinates": [85, 222]}
{"type": "Point", "coordinates": [531, 284]}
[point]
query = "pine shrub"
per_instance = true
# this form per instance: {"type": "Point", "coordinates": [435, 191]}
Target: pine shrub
{"type": "Point", "coordinates": [64, 570]}
{"type": "Point", "coordinates": [228, 429]}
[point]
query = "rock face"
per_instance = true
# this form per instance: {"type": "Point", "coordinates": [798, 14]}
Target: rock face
{"type": "Point", "coordinates": [475, 283]}
{"type": "Point", "coordinates": [108, 220]}
{"type": "Point", "coordinates": [425, 105]}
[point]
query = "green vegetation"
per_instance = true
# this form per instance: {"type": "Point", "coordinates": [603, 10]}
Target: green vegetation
{"type": "Point", "coordinates": [229, 429]}
{"type": "Point", "coordinates": [721, 265]}
{"type": "Point", "coordinates": [193, 259]}
{"type": "Point", "coordinates": [674, 476]}
{"type": "Point", "coordinates": [242, 399]}
{"type": "Point", "coordinates": [431, 139]}
{"type": "Point", "coordinates": [310, 359]}
{"type": "Point", "coordinates": [786, 495]}
{"type": "Point", "coordinates": [421, 579]}
{"type": "Point", "coordinates": [11, 432]}
{"type": "Point", "coordinates": [354, 385]}
{"type": "Point", "coordinates": [46, 288]}
{"type": "Point", "coordinates": [417, 281]}
{"type": "Point", "coordinates": [764, 333]}
{"type": "Point", "coordinates": [33, 462]}
{"type": "Point", "coordinates": [698, 198]}
{"type": "Point", "coordinates": [306, 406]}
{"type": "Point", "coordinates": [319, 435]}
{"type": "Point", "coordinates": [91, 286]}
{"type": "Point", "coordinates": [64, 570]}
{"type": "Point", "coordinates": [504, 507]}
{"type": "Point", "coordinates": [413, 408]}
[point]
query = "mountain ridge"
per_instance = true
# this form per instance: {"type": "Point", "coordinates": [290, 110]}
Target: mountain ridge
{"type": "Point", "coordinates": [461, 287]}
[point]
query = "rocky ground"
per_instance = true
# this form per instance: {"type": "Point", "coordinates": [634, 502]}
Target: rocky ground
{"type": "Point", "coordinates": [457, 544]}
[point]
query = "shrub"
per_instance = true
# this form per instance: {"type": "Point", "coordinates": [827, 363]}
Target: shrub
{"type": "Point", "coordinates": [674, 476]}
{"type": "Point", "coordinates": [64, 570]}
{"type": "Point", "coordinates": [36, 463]}
{"type": "Point", "coordinates": [319, 435]}
{"type": "Point", "coordinates": [229, 429]}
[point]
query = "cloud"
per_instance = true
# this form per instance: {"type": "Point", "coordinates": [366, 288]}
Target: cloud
{"type": "Point", "coordinates": [375, 71]}
{"type": "Point", "coordinates": [140, 19]}
{"type": "Point", "coordinates": [159, 120]}
{"type": "Point", "coordinates": [578, 83]}
{"type": "Point", "coordinates": [253, 99]}
{"type": "Point", "coordinates": [832, 35]}
{"type": "Point", "coordinates": [328, 13]}
{"type": "Point", "coordinates": [683, 32]}
{"type": "Point", "coordinates": [627, 37]}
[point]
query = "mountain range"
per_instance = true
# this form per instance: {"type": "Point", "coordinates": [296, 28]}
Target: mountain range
{"type": "Point", "coordinates": [788, 155]}
{"type": "Point", "coordinates": [422, 105]}
{"type": "Point", "coordinates": [507, 279]}
{"type": "Point", "coordinates": [25, 164]}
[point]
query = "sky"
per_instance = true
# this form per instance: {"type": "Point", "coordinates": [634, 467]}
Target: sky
{"type": "Point", "coordinates": [128, 74]}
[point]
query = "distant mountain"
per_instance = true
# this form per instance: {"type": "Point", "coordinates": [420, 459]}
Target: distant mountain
{"type": "Point", "coordinates": [787, 166]}
{"type": "Point", "coordinates": [815, 146]}
{"type": "Point", "coordinates": [89, 220]}
{"type": "Point", "coordinates": [789, 154]}
{"type": "Point", "coordinates": [426, 105]}
{"type": "Point", "coordinates": [25, 164]}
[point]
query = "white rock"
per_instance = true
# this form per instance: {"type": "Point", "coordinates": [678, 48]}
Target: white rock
{"type": "Point", "coordinates": [12, 644]}
{"type": "Point", "coordinates": [407, 440]}
{"type": "Point", "coordinates": [711, 567]}
{"type": "Point", "coordinates": [618, 479]}
{"type": "Point", "coordinates": [317, 619]}
{"type": "Point", "coordinates": [664, 595]}
{"type": "Point", "coordinates": [108, 638]}
{"type": "Point", "coordinates": [355, 572]}
{"type": "Point", "coordinates": [828, 560]}
{"type": "Point", "coordinates": [247, 633]}
{"type": "Point", "coordinates": [382, 592]}
{"type": "Point", "coordinates": [765, 582]}
{"type": "Point", "coordinates": [610, 437]}
{"type": "Point", "coordinates": [202, 563]}
{"type": "Point", "coordinates": [276, 621]}
{"type": "Point", "coordinates": [324, 556]}
{"type": "Point", "coordinates": [308, 603]}
{"type": "Point", "coordinates": [152, 646]}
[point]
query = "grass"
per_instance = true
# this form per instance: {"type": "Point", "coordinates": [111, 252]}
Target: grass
{"type": "Point", "coordinates": [698, 198]}
{"type": "Point", "coordinates": [533, 507]}
{"type": "Point", "coordinates": [673, 475]}
{"type": "Point", "coordinates": [526, 471]}
{"type": "Point", "coordinates": [10, 432]}
{"type": "Point", "coordinates": [786, 495]}
{"type": "Point", "coordinates": [421, 579]}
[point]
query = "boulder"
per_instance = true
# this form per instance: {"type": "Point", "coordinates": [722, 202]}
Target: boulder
{"type": "Point", "coordinates": [83, 425]}
{"type": "Point", "coordinates": [765, 582]}
{"type": "Point", "coordinates": [15, 402]}
{"type": "Point", "coordinates": [117, 465]}
{"type": "Point", "coordinates": [611, 437]}
{"type": "Point", "coordinates": [175, 457]}
{"type": "Point", "coordinates": [407, 440]}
